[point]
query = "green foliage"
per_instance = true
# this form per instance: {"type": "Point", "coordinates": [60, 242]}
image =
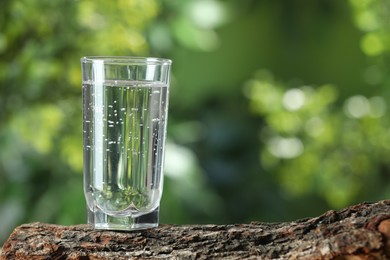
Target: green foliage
{"type": "Point", "coordinates": [41, 43]}
{"type": "Point", "coordinates": [313, 147]}
{"type": "Point", "coordinates": [278, 109]}
{"type": "Point", "coordinates": [372, 18]}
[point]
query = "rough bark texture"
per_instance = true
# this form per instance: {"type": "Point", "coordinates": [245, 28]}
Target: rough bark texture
{"type": "Point", "coordinates": [357, 232]}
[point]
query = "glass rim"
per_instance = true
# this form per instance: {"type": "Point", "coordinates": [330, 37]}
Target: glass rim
{"type": "Point", "coordinates": [126, 60]}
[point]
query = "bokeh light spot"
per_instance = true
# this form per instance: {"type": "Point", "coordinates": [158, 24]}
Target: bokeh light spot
{"type": "Point", "coordinates": [286, 148]}
{"type": "Point", "coordinates": [357, 106]}
{"type": "Point", "coordinates": [293, 99]}
{"type": "Point", "coordinates": [372, 45]}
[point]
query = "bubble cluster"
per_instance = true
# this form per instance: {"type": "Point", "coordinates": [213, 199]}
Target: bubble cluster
{"type": "Point", "coordinates": [126, 155]}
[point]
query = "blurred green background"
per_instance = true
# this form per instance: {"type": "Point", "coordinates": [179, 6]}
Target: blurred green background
{"type": "Point", "coordinates": [279, 109]}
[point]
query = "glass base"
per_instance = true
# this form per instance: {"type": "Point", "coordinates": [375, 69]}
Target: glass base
{"type": "Point", "coordinates": [99, 220]}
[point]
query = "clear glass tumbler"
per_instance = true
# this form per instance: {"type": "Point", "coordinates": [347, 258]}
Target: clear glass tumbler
{"type": "Point", "coordinates": [125, 104]}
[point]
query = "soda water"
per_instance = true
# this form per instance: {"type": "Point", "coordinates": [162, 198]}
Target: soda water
{"type": "Point", "coordinates": [124, 126]}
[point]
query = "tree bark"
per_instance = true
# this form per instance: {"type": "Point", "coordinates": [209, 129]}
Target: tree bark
{"type": "Point", "coordinates": [358, 232]}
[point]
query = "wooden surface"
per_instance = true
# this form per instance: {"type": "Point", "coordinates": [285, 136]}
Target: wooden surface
{"type": "Point", "coordinates": [358, 232]}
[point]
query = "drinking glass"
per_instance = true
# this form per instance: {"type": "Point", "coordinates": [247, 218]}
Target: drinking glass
{"type": "Point", "coordinates": [125, 105]}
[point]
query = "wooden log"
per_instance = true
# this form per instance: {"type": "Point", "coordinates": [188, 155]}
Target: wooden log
{"type": "Point", "coordinates": [357, 232]}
